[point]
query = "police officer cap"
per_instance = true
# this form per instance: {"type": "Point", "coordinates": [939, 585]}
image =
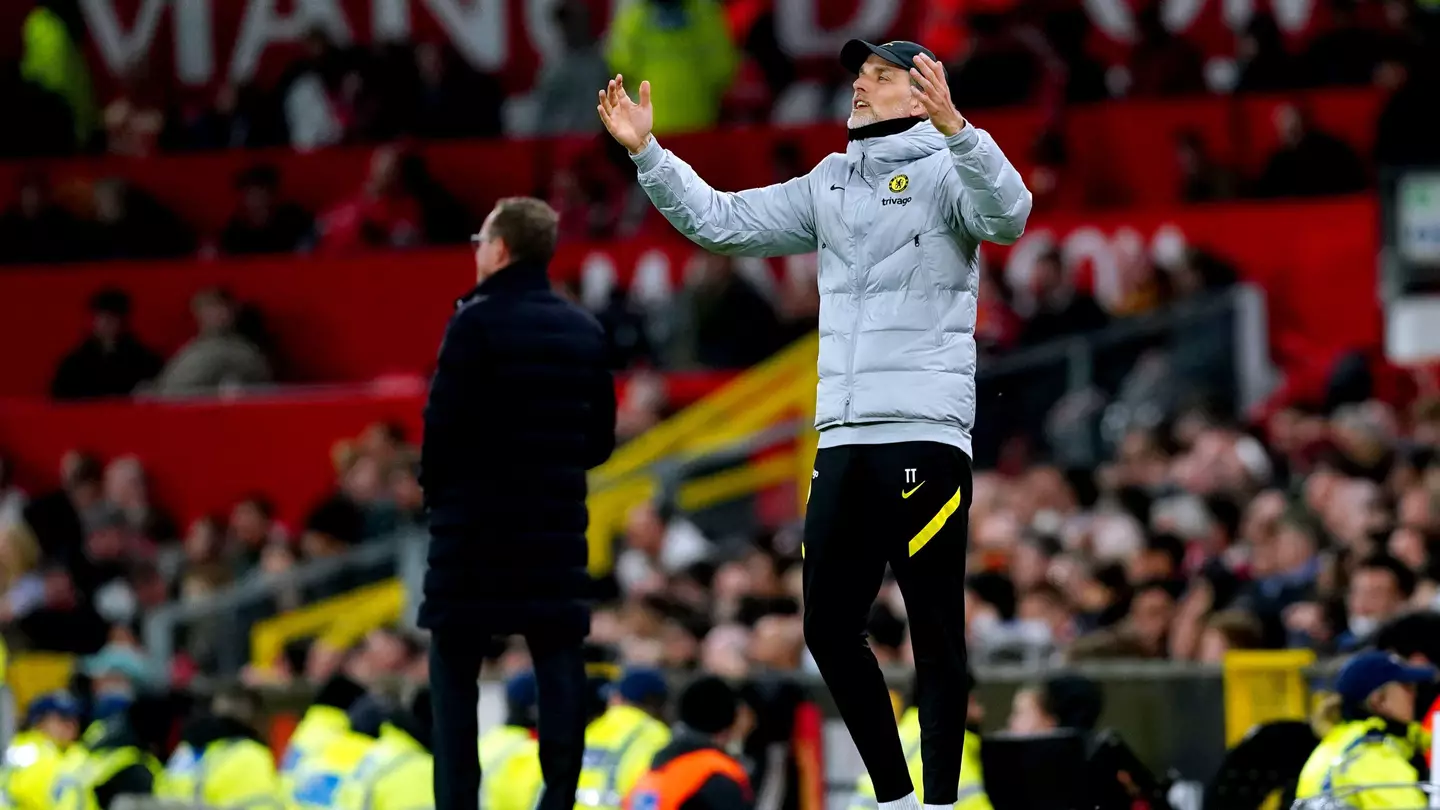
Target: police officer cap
{"type": "Point", "coordinates": [900, 53]}
{"type": "Point", "coordinates": [642, 685]}
{"type": "Point", "coordinates": [708, 705]}
{"type": "Point", "coordinates": [521, 691]}
{"type": "Point", "coordinates": [1363, 674]}
{"type": "Point", "coordinates": [61, 703]}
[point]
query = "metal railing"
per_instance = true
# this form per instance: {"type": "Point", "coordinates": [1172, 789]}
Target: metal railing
{"type": "Point", "coordinates": [1076, 396]}
{"type": "Point", "coordinates": [225, 618]}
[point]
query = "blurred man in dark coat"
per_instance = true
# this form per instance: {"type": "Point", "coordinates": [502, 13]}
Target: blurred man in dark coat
{"type": "Point", "coordinates": [521, 406]}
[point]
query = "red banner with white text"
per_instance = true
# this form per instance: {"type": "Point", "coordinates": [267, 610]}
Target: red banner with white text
{"type": "Point", "coordinates": [203, 43]}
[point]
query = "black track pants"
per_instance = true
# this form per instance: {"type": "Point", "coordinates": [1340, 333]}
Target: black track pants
{"type": "Point", "coordinates": [905, 504]}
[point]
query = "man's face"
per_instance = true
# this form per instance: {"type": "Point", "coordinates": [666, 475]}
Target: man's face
{"type": "Point", "coordinates": [1027, 715]}
{"type": "Point", "coordinates": [63, 730]}
{"type": "Point", "coordinates": [1374, 594]}
{"type": "Point", "coordinates": [108, 326]}
{"type": "Point", "coordinates": [881, 93]}
{"type": "Point", "coordinates": [490, 252]}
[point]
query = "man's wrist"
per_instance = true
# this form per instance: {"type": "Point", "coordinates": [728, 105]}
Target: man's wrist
{"type": "Point", "coordinates": [644, 142]}
{"type": "Point", "coordinates": [952, 126]}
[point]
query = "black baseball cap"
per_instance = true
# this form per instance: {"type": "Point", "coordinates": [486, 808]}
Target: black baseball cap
{"type": "Point", "coordinates": [898, 52]}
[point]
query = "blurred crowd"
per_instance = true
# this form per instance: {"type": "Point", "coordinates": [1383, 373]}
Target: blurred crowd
{"type": "Point", "coordinates": [397, 205]}
{"type": "Point", "coordinates": [100, 551]}
{"type": "Point", "coordinates": [1201, 536]}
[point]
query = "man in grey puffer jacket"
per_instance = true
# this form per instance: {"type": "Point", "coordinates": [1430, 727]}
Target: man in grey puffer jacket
{"type": "Point", "coordinates": [897, 221]}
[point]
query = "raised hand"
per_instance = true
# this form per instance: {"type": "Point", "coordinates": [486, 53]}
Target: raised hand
{"type": "Point", "coordinates": [628, 122]}
{"type": "Point", "coordinates": [933, 90]}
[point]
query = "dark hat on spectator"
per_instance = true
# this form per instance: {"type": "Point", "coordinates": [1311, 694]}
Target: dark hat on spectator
{"type": "Point", "coordinates": [1362, 675]}
{"type": "Point", "coordinates": [900, 53]}
{"type": "Point", "coordinates": [111, 301]}
{"type": "Point", "coordinates": [521, 692]}
{"type": "Point", "coordinates": [641, 685]}
{"type": "Point", "coordinates": [339, 692]}
{"type": "Point", "coordinates": [61, 703]}
{"type": "Point", "coordinates": [708, 705]}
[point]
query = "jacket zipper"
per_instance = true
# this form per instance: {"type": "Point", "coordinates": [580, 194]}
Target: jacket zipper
{"type": "Point", "coordinates": [859, 282]}
{"type": "Point", "coordinates": [931, 293]}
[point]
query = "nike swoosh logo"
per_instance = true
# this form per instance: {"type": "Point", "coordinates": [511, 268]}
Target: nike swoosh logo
{"type": "Point", "coordinates": [906, 495]}
{"type": "Point", "coordinates": [837, 188]}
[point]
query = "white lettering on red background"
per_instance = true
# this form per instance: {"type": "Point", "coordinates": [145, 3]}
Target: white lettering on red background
{"type": "Point", "coordinates": [1116, 18]}
{"type": "Point", "coordinates": [228, 40]}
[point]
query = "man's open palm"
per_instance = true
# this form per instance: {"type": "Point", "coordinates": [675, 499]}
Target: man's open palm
{"type": "Point", "coordinates": [628, 122]}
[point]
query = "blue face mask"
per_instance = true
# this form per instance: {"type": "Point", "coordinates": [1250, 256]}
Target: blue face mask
{"type": "Point", "coordinates": [110, 705]}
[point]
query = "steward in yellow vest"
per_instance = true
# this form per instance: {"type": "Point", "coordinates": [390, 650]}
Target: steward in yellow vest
{"type": "Point", "coordinates": [222, 762]}
{"type": "Point", "coordinates": [114, 761]}
{"type": "Point", "coordinates": [1369, 736]}
{"type": "Point", "coordinates": [326, 718]}
{"type": "Point", "coordinates": [507, 752]}
{"type": "Point", "coordinates": [620, 744]}
{"type": "Point", "coordinates": [34, 756]}
{"type": "Point", "coordinates": [398, 772]}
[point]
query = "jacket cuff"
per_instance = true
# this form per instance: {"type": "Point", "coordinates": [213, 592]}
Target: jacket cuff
{"type": "Point", "coordinates": [649, 157]}
{"type": "Point", "coordinates": [963, 141]}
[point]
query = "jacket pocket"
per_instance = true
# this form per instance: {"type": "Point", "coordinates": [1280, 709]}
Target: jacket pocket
{"type": "Point", "coordinates": [932, 292]}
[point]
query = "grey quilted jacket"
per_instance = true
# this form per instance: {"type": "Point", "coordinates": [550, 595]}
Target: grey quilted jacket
{"type": "Point", "coordinates": [897, 221]}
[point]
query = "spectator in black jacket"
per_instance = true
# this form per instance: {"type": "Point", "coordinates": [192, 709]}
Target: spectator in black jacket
{"type": "Point", "coordinates": [111, 362]}
{"type": "Point", "coordinates": [521, 405]}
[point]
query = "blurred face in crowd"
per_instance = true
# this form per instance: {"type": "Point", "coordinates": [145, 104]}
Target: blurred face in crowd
{"type": "Point", "coordinates": [109, 202]}
{"type": "Point", "coordinates": [125, 482]}
{"type": "Point", "coordinates": [277, 558]}
{"type": "Point", "coordinates": [1294, 548]}
{"type": "Point", "coordinates": [644, 531]}
{"type": "Point", "coordinates": [1028, 715]}
{"type": "Point", "coordinates": [1374, 597]}
{"type": "Point", "coordinates": [257, 203]}
{"type": "Point", "coordinates": [777, 642]}
{"type": "Point", "coordinates": [383, 653]}
{"type": "Point", "coordinates": [202, 541]}
{"type": "Point", "coordinates": [63, 730]}
{"type": "Point", "coordinates": [213, 314]}
{"type": "Point", "coordinates": [1408, 546]}
{"type": "Point", "coordinates": [105, 543]}
{"type": "Point", "coordinates": [249, 524]}
{"type": "Point", "coordinates": [384, 171]}
{"type": "Point", "coordinates": [1417, 509]}
{"type": "Point", "coordinates": [491, 253]}
{"type": "Point", "coordinates": [364, 481]}
{"type": "Point", "coordinates": [405, 489]}
{"type": "Point", "coordinates": [882, 93]}
{"type": "Point", "coordinates": [1029, 566]}
{"type": "Point", "coordinates": [1289, 125]}
{"type": "Point", "coordinates": [679, 647]}
{"type": "Point", "coordinates": [1395, 701]}
{"type": "Point", "coordinates": [1150, 616]}
{"type": "Point", "coordinates": [1262, 516]}
{"type": "Point", "coordinates": [1213, 646]}
{"type": "Point", "coordinates": [723, 652]}
{"type": "Point", "coordinates": [1151, 564]}
{"type": "Point", "coordinates": [107, 326]}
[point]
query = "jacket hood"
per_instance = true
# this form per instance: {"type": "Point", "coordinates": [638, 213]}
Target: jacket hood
{"type": "Point", "coordinates": [887, 152]}
{"type": "Point", "coordinates": [202, 731]}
